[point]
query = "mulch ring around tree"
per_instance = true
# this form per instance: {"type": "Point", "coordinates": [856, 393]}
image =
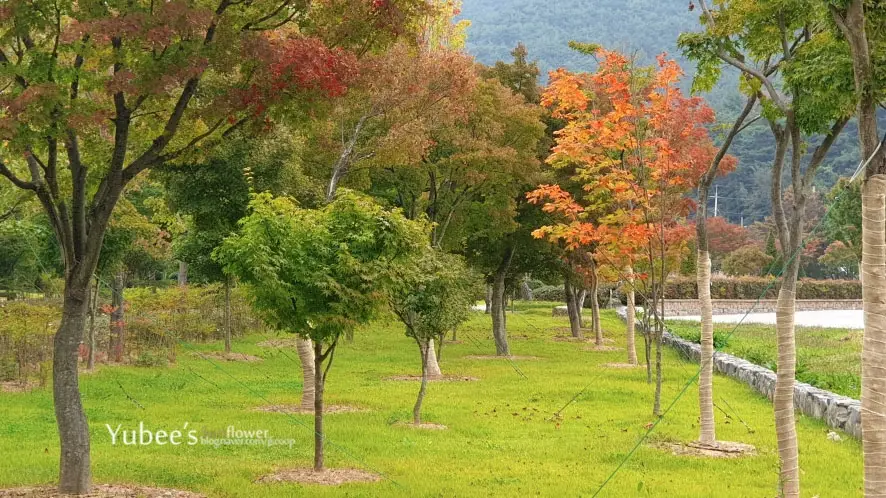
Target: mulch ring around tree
{"type": "Point", "coordinates": [100, 491]}
{"type": "Point", "coordinates": [427, 426]}
{"type": "Point", "coordinates": [497, 357]}
{"type": "Point", "coordinates": [620, 365]}
{"type": "Point", "coordinates": [602, 347]}
{"type": "Point", "coordinates": [328, 477]}
{"type": "Point", "coordinates": [445, 378]}
{"type": "Point", "coordinates": [298, 410]}
{"type": "Point", "coordinates": [220, 355]}
{"type": "Point", "coordinates": [16, 386]}
{"type": "Point", "coordinates": [717, 449]}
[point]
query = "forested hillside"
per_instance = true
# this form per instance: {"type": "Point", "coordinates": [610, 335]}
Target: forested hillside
{"type": "Point", "coordinates": [644, 28]}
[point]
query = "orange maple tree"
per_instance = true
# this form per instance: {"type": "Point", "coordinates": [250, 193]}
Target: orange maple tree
{"type": "Point", "coordinates": [634, 145]}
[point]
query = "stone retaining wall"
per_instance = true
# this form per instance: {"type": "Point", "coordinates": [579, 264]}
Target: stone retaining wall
{"type": "Point", "coordinates": [684, 307]}
{"type": "Point", "coordinates": [838, 412]}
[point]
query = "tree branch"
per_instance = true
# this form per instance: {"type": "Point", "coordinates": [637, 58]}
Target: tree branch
{"type": "Point", "coordinates": [5, 171]}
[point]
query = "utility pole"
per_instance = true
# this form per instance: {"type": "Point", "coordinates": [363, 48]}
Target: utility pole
{"type": "Point", "coordinates": [742, 221]}
{"type": "Point", "coordinates": [716, 200]}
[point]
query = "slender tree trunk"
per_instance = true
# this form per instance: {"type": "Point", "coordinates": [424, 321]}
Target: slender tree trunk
{"type": "Point", "coordinates": [73, 429]}
{"type": "Point", "coordinates": [572, 310]}
{"type": "Point", "coordinates": [318, 407]}
{"type": "Point", "coordinates": [707, 432]}
{"type": "Point", "coordinates": [873, 368]}
{"type": "Point", "coordinates": [227, 315]}
{"type": "Point", "coordinates": [306, 355]}
{"type": "Point", "coordinates": [785, 428]}
{"type": "Point", "coordinates": [595, 306]}
{"type": "Point", "coordinates": [90, 361]}
{"type": "Point", "coordinates": [424, 349]}
{"type": "Point", "coordinates": [117, 316]}
{"type": "Point", "coordinates": [432, 366]}
{"type": "Point", "coordinates": [656, 406]}
{"type": "Point", "coordinates": [488, 299]}
{"type": "Point", "coordinates": [631, 317]}
{"type": "Point", "coordinates": [647, 351]}
{"type": "Point", "coordinates": [499, 320]}
{"type": "Point", "coordinates": [182, 274]}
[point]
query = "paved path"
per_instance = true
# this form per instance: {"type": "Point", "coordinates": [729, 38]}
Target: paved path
{"type": "Point", "coordinates": [841, 319]}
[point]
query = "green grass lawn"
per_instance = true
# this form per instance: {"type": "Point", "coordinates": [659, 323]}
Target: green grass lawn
{"type": "Point", "coordinates": [826, 358]}
{"type": "Point", "coordinates": [501, 439]}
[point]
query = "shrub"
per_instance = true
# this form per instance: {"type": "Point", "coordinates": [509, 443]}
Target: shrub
{"type": "Point", "coordinates": [162, 317]}
{"type": "Point", "coordinates": [26, 333]}
{"type": "Point", "coordinates": [747, 260]}
{"type": "Point", "coordinates": [549, 293]}
{"type": "Point", "coordinates": [152, 358]}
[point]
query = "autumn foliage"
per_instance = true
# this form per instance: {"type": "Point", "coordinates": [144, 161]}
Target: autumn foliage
{"type": "Point", "coordinates": [633, 145]}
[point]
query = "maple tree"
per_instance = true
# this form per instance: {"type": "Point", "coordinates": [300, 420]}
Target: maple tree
{"type": "Point", "coordinates": [434, 296]}
{"type": "Point", "coordinates": [95, 93]}
{"type": "Point", "coordinates": [320, 273]}
{"type": "Point", "coordinates": [635, 145]}
{"type": "Point", "coordinates": [470, 182]}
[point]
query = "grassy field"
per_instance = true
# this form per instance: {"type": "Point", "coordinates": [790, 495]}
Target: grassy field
{"type": "Point", "coordinates": [826, 358]}
{"type": "Point", "coordinates": [501, 441]}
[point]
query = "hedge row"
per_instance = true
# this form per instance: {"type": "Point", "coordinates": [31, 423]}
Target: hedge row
{"type": "Point", "coordinates": [767, 287]}
{"type": "Point", "coordinates": [729, 288]}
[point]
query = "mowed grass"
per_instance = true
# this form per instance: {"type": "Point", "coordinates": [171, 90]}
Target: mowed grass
{"type": "Point", "coordinates": [826, 358]}
{"type": "Point", "coordinates": [502, 439]}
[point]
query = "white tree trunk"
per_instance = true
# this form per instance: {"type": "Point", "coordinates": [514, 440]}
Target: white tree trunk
{"type": "Point", "coordinates": [306, 354]}
{"type": "Point", "coordinates": [785, 428]}
{"type": "Point", "coordinates": [706, 377]}
{"type": "Point", "coordinates": [433, 367]}
{"type": "Point", "coordinates": [873, 356]}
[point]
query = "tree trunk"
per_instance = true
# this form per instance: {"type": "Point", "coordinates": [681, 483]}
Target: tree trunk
{"type": "Point", "coordinates": [488, 299]}
{"type": "Point", "coordinates": [424, 349]}
{"type": "Point", "coordinates": [73, 430]}
{"type": "Point", "coordinates": [631, 317]}
{"type": "Point", "coordinates": [499, 321]}
{"type": "Point", "coordinates": [595, 306]}
{"type": "Point", "coordinates": [90, 360]}
{"type": "Point", "coordinates": [432, 366]}
{"type": "Point", "coordinates": [182, 274]}
{"type": "Point", "coordinates": [572, 310]}
{"type": "Point", "coordinates": [786, 370]}
{"type": "Point", "coordinates": [306, 355]}
{"type": "Point", "coordinates": [656, 405]}
{"type": "Point", "coordinates": [873, 368]}
{"type": "Point", "coordinates": [227, 315]}
{"type": "Point", "coordinates": [707, 432]}
{"type": "Point", "coordinates": [117, 316]}
{"type": "Point", "coordinates": [318, 406]}
{"type": "Point", "coordinates": [648, 333]}
{"type": "Point", "coordinates": [581, 298]}
{"type": "Point", "coordinates": [873, 264]}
